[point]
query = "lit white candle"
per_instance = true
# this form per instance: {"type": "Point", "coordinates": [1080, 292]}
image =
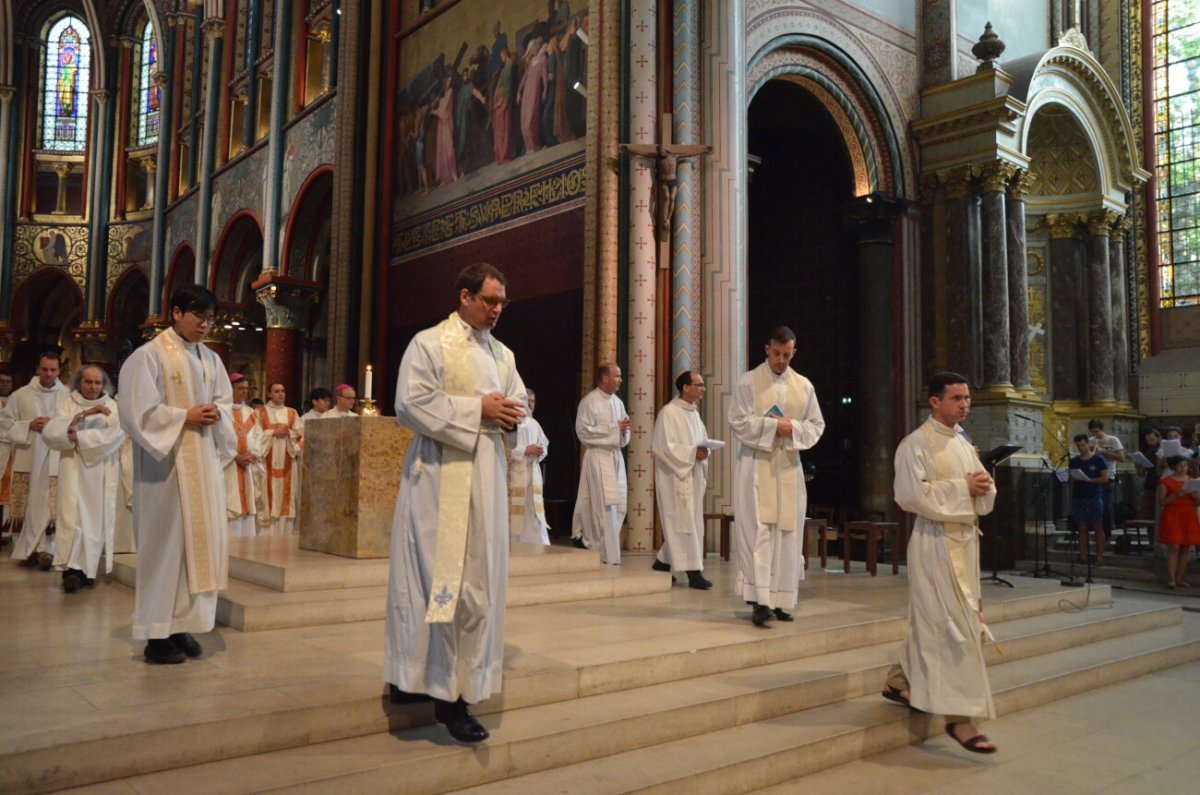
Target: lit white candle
{"type": "Point", "coordinates": [367, 385]}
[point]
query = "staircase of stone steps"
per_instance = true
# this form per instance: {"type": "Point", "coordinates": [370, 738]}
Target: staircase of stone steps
{"type": "Point", "coordinates": [718, 709]}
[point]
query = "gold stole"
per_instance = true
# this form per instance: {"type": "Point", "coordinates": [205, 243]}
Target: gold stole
{"type": "Point", "coordinates": [243, 428]}
{"type": "Point", "coordinates": [948, 465]}
{"type": "Point", "coordinates": [454, 490]}
{"type": "Point", "coordinates": [777, 473]}
{"type": "Point", "coordinates": [521, 466]}
{"type": "Point", "coordinates": [207, 570]}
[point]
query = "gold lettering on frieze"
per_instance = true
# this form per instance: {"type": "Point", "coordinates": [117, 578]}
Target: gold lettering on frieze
{"type": "Point", "coordinates": [513, 204]}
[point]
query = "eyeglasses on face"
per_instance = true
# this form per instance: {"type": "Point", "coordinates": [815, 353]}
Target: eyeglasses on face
{"type": "Point", "coordinates": [208, 319]}
{"type": "Point", "coordinates": [492, 302]}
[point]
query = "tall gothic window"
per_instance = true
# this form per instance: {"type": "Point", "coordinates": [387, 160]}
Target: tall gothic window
{"type": "Point", "coordinates": [149, 95]}
{"type": "Point", "coordinates": [65, 86]}
{"type": "Point", "coordinates": [1177, 148]}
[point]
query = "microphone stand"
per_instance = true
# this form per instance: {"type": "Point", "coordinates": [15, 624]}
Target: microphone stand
{"type": "Point", "coordinates": [990, 461]}
{"type": "Point", "coordinates": [1044, 572]}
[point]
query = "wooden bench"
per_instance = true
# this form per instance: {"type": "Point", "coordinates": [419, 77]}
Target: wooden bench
{"type": "Point", "coordinates": [871, 533]}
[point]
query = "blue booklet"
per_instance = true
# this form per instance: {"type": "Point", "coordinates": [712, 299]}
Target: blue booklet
{"type": "Point", "coordinates": [774, 411]}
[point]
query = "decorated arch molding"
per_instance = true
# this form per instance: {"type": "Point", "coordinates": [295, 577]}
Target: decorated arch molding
{"type": "Point", "coordinates": [842, 88]}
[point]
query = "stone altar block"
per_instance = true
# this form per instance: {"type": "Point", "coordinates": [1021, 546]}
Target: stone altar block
{"type": "Point", "coordinates": [351, 475]}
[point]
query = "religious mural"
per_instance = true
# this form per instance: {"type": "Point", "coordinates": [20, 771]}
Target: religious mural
{"type": "Point", "coordinates": [487, 84]}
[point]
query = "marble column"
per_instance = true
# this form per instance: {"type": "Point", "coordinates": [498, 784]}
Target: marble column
{"type": "Point", "coordinates": [1018, 283]}
{"type": "Point", "coordinates": [287, 303]}
{"type": "Point", "coordinates": [281, 92]}
{"type": "Point", "coordinates": [63, 170]}
{"type": "Point", "coordinates": [166, 136]}
{"type": "Point", "coordinates": [685, 226]}
{"type": "Point", "coordinates": [214, 33]}
{"type": "Point", "coordinates": [939, 47]}
{"type": "Point", "coordinates": [962, 263]}
{"type": "Point", "coordinates": [1120, 310]}
{"type": "Point", "coordinates": [1068, 345]}
{"type": "Point", "coordinates": [100, 170]}
{"type": "Point", "coordinates": [1099, 308]}
{"type": "Point", "coordinates": [994, 295]}
{"type": "Point", "coordinates": [249, 131]}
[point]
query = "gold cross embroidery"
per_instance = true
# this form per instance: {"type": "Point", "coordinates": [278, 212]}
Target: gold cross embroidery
{"type": "Point", "coordinates": [177, 378]}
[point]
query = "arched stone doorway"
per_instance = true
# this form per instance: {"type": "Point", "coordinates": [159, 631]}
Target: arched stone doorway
{"type": "Point", "coordinates": [181, 272]}
{"type": "Point", "coordinates": [128, 305]}
{"type": "Point", "coordinates": [239, 335]}
{"type": "Point", "coordinates": [49, 305]}
{"type": "Point", "coordinates": [306, 256]}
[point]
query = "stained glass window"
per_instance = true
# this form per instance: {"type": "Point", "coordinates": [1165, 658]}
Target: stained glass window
{"type": "Point", "coordinates": [65, 86]}
{"type": "Point", "coordinates": [149, 95]}
{"type": "Point", "coordinates": [1177, 148]}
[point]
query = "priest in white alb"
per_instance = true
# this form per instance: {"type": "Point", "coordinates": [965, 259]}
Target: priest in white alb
{"type": "Point", "coordinates": [940, 479]}
{"type": "Point", "coordinates": [603, 427]}
{"type": "Point", "coordinates": [527, 508]}
{"type": "Point", "coordinates": [774, 416]}
{"type": "Point", "coordinates": [459, 391]}
{"type": "Point", "coordinates": [175, 403]}
{"type": "Point", "coordinates": [319, 401]}
{"type": "Point", "coordinates": [281, 428]}
{"type": "Point", "coordinates": [35, 464]}
{"type": "Point", "coordinates": [88, 437]}
{"type": "Point", "coordinates": [680, 480]}
{"type": "Point", "coordinates": [344, 398]}
{"type": "Point", "coordinates": [6, 460]}
{"type": "Point", "coordinates": [241, 487]}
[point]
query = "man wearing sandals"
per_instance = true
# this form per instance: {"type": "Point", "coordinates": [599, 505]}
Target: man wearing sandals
{"type": "Point", "coordinates": [940, 479]}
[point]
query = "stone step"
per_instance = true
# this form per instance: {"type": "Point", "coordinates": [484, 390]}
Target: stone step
{"type": "Point", "coordinates": [758, 754]}
{"type": "Point", "coordinates": [618, 717]}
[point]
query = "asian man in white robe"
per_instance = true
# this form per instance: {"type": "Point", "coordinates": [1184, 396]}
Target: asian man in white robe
{"type": "Point", "coordinates": [35, 464]}
{"type": "Point", "coordinates": [527, 509]}
{"type": "Point", "coordinates": [459, 391]}
{"type": "Point", "coordinates": [774, 416]}
{"type": "Point", "coordinates": [940, 479]}
{"type": "Point", "coordinates": [175, 403]}
{"type": "Point", "coordinates": [241, 485]}
{"type": "Point", "coordinates": [603, 427]}
{"type": "Point", "coordinates": [88, 437]}
{"type": "Point", "coordinates": [319, 400]}
{"type": "Point", "coordinates": [680, 480]}
{"type": "Point", "coordinates": [281, 428]}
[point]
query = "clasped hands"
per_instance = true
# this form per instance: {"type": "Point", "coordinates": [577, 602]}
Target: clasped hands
{"type": "Point", "coordinates": [978, 483]}
{"type": "Point", "coordinates": [501, 411]}
{"type": "Point", "coordinates": [203, 414]}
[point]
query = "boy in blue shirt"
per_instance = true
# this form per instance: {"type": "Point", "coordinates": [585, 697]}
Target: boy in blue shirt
{"type": "Point", "coordinates": [1087, 497]}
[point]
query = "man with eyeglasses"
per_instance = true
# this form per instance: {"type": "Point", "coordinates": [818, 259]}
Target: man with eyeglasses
{"type": "Point", "coordinates": [175, 403]}
{"type": "Point", "coordinates": [459, 391]}
{"type": "Point", "coordinates": [344, 397]}
{"type": "Point", "coordinates": [35, 463]}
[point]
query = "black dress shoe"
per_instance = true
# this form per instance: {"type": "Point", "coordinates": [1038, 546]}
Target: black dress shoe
{"type": "Point", "coordinates": [762, 614]}
{"type": "Point", "coordinates": [695, 580]}
{"type": "Point", "coordinates": [658, 565]}
{"type": "Point", "coordinates": [578, 543]}
{"type": "Point", "coordinates": [186, 644]}
{"type": "Point", "coordinates": [72, 580]}
{"type": "Point", "coordinates": [160, 651]}
{"type": "Point", "coordinates": [398, 696]}
{"type": "Point", "coordinates": [783, 615]}
{"type": "Point", "coordinates": [457, 718]}
{"type": "Point", "coordinates": [45, 561]}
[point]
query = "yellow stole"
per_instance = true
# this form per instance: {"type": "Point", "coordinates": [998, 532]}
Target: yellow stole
{"type": "Point", "coordinates": [207, 568]}
{"type": "Point", "coordinates": [454, 490]}
{"type": "Point", "coordinates": [948, 464]}
{"type": "Point", "coordinates": [777, 473]}
{"type": "Point", "coordinates": [522, 466]}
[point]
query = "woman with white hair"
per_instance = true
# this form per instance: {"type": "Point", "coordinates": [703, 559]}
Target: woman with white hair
{"type": "Point", "coordinates": [88, 436]}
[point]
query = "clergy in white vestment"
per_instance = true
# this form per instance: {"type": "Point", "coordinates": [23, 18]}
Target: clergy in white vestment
{"type": "Point", "coordinates": [603, 427]}
{"type": "Point", "coordinates": [459, 391]}
{"type": "Point", "coordinates": [6, 459]}
{"type": "Point", "coordinates": [281, 428]}
{"type": "Point", "coordinates": [35, 464]}
{"type": "Point", "coordinates": [241, 486]}
{"type": "Point", "coordinates": [319, 401]}
{"type": "Point", "coordinates": [87, 435]}
{"type": "Point", "coordinates": [175, 402]}
{"type": "Point", "coordinates": [527, 508]}
{"type": "Point", "coordinates": [680, 480]}
{"type": "Point", "coordinates": [344, 398]}
{"type": "Point", "coordinates": [774, 416]}
{"type": "Point", "coordinates": [940, 479]}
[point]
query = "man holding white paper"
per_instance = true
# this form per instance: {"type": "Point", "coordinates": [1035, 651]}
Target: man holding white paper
{"type": "Point", "coordinates": [680, 446]}
{"type": "Point", "coordinates": [774, 416]}
{"type": "Point", "coordinates": [603, 426]}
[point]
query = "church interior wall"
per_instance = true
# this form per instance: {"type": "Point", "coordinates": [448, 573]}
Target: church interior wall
{"type": "Point", "coordinates": [1024, 25]}
{"type": "Point", "coordinates": [901, 13]}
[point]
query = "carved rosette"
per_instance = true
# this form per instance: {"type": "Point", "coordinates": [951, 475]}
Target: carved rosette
{"type": "Point", "coordinates": [285, 300]}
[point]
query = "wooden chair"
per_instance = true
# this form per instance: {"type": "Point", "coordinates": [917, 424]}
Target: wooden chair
{"type": "Point", "coordinates": [826, 528]}
{"type": "Point", "coordinates": [818, 526]}
{"type": "Point", "coordinates": [870, 533]}
{"type": "Point", "coordinates": [726, 519]}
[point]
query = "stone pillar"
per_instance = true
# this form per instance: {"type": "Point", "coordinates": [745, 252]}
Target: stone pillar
{"type": "Point", "coordinates": [100, 169]}
{"type": "Point", "coordinates": [8, 162]}
{"type": "Point", "coordinates": [281, 93]}
{"type": "Point", "coordinates": [939, 46]}
{"type": "Point", "coordinates": [93, 346]}
{"type": "Point", "coordinates": [642, 275]}
{"type": "Point", "coordinates": [214, 37]}
{"type": "Point", "coordinates": [962, 254]}
{"type": "Point", "coordinates": [1068, 348]}
{"type": "Point", "coordinates": [1099, 308]}
{"type": "Point", "coordinates": [166, 135]}
{"type": "Point", "coordinates": [60, 202]}
{"type": "Point", "coordinates": [286, 302]}
{"type": "Point", "coordinates": [994, 296]}
{"type": "Point", "coordinates": [1018, 283]}
{"type": "Point", "coordinates": [148, 164]}
{"type": "Point", "coordinates": [685, 227]}
{"type": "Point", "coordinates": [1120, 310]}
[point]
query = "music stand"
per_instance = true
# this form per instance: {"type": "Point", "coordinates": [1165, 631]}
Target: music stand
{"type": "Point", "coordinates": [990, 460]}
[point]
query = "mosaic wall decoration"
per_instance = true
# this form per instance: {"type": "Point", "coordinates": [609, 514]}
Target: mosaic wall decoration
{"type": "Point", "coordinates": [36, 247]}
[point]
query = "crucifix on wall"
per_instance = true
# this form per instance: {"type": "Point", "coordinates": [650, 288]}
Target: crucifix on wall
{"type": "Point", "coordinates": [666, 177]}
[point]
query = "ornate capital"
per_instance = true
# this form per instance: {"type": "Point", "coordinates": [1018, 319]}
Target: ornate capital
{"type": "Point", "coordinates": [160, 79]}
{"type": "Point", "coordinates": [1019, 187]}
{"type": "Point", "coordinates": [1120, 227]}
{"type": "Point", "coordinates": [1101, 223]}
{"type": "Point", "coordinates": [285, 300]}
{"type": "Point", "coordinates": [1062, 227]}
{"type": "Point", "coordinates": [101, 95]}
{"type": "Point", "coordinates": [996, 176]}
{"type": "Point", "coordinates": [93, 342]}
{"type": "Point", "coordinates": [153, 325]}
{"type": "Point", "coordinates": [957, 182]}
{"type": "Point", "coordinates": [63, 169]}
{"type": "Point", "coordinates": [929, 188]}
{"type": "Point", "coordinates": [149, 163]}
{"type": "Point", "coordinates": [7, 92]}
{"type": "Point", "coordinates": [213, 28]}
{"type": "Point", "coordinates": [128, 42]}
